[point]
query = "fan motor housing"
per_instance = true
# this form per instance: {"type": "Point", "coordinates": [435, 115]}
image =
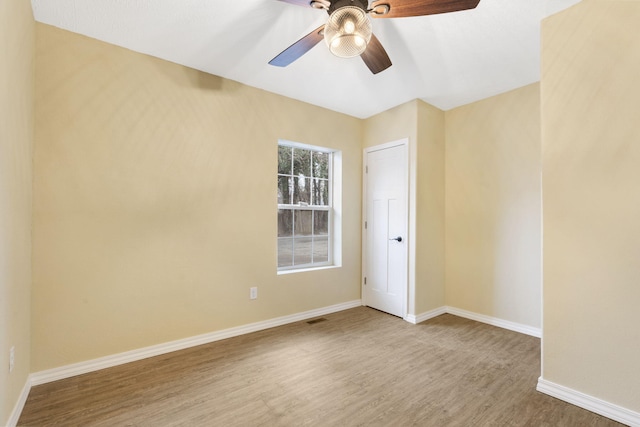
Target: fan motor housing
{"type": "Point", "coordinates": [362, 4]}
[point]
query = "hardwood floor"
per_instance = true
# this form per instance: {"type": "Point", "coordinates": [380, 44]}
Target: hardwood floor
{"type": "Point", "coordinates": [358, 367]}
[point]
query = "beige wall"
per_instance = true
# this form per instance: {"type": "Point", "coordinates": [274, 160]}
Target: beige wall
{"type": "Point", "coordinates": [16, 141]}
{"type": "Point", "coordinates": [493, 207]}
{"type": "Point", "coordinates": [430, 218]}
{"type": "Point", "coordinates": [423, 125]}
{"type": "Point", "coordinates": [591, 162]}
{"type": "Point", "coordinates": [397, 123]}
{"type": "Point", "coordinates": [154, 202]}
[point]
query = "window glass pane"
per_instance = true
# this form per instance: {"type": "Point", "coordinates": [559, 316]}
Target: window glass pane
{"type": "Point", "coordinates": [320, 164]}
{"type": "Point", "coordinates": [320, 223]}
{"type": "Point", "coordinates": [284, 159]}
{"type": "Point", "coordinates": [285, 252]}
{"type": "Point", "coordinates": [301, 162]}
{"type": "Point", "coordinates": [285, 223]}
{"type": "Point", "coordinates": [301, 190]}
{"type": "Point", "coordinates": [302, 250]}
{"type": "Point", "coordinates": [285, 185]}
{"type": "Point", "coordinates": [302, 223]}
{"type": "Point", "coordinates": [320, 249]}
{"type": "Point", "coordinates": [320, 192]}
{"type": "Point", "coordinates": [304, 180]}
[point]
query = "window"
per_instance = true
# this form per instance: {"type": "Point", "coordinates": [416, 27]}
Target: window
{"type": "Point", "coordinates": [305, 208]}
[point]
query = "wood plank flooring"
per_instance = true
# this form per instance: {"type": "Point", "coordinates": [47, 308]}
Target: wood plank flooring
{"type": "Point", "coordinates": [360, 367]}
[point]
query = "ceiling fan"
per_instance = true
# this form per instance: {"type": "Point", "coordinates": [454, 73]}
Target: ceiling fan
{"type": "Point", "coordinates": [348, 31]}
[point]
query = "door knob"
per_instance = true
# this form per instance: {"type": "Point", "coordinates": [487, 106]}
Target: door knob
{"type": "Point", "coordinates": [399, 239]}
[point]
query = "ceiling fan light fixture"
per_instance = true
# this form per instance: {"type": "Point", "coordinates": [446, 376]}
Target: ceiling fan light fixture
{"type": "Point", "coordinates": [348, 31]}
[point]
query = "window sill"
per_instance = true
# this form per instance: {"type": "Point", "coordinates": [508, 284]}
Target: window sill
{"type": "Point", "coordinates": [304, 270]}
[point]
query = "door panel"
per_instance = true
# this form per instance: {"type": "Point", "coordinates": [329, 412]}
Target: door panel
{"type": "Point", "coordinates": [386, 217]}
{"type": "Point", "coordinates": [378, 254]}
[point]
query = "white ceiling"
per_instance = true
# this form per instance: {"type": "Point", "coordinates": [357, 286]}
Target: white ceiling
{"type": "Point", "coordinates": [446, 60]}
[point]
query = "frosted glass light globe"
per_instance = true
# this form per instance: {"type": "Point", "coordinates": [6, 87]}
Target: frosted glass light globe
{"type": "Point", "coordinates": [348, 31]}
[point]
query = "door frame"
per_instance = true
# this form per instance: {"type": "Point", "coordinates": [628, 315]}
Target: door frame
{"type": "Point", "coordinates": [409, 229]}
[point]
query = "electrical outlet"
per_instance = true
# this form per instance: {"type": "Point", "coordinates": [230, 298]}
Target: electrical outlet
{"type": "Point", "coordinates": [12, 358]}
{"type": "Point", "coordinates": [253, 293]}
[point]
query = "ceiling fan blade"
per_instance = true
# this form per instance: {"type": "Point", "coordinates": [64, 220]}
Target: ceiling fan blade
{"type": "Point", "coordinates": [298, 2]}
{"type": "Point", "coordinates": [404, 8]}
{"type": "Point", "coordinates": [299, 48]}
{"type": "Point", "coordinates": [375, 56]}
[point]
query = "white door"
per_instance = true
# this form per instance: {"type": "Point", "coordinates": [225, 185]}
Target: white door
{"type": "Point", "coordinates": [385, 257]}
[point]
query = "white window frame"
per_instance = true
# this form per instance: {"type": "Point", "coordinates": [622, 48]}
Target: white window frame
{"type": "Point", "coordinates": [333, 209]}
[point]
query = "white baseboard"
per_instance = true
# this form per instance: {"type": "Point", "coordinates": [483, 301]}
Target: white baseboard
{"type": "Point", "coordinates": [589, 403]}
{"type": "Point", "coordinates": [415, 319]}
{"type": "Point", "coordinates": [17, 409]}
{"type": "Point", "coordinates": [80, 368]}
{"type": "Point", "coordinates": [494, 321]}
